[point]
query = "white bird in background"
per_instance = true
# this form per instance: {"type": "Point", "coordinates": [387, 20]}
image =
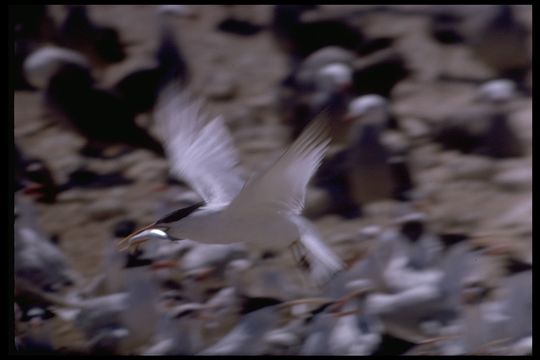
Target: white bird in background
{"type": "Point", "coordinates": [38, 262]}
{"type": "Point", "coordinates": [264, 209]}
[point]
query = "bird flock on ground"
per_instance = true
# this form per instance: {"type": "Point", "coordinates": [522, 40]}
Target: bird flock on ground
{"type": "Point", "coordinates": [241, 268]}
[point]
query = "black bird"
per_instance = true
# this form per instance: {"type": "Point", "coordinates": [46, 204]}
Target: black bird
{"type": "Point", "coordinates": [101, 44]}
{"type": "Point", "coordinates": [141, 87]}
{"type": "Point", "coordinates": [300, 38]}
{"type": "Point", "coordinates": [33, 176]}
{"type": "Point", "coordinates": [445, 26]}
{"type": "Point", "coordinates": [88, 179]}
{"type": "Point", "coordinates": [380, 73]}
{"type": "Point", "coordinates": [233, 24]}
{"type": "Point", "coordinates": [101, 116]}
{"type": "Point", "coordinates": [483, 128]}
{"type": "Point", "coordinates": [32, 26]}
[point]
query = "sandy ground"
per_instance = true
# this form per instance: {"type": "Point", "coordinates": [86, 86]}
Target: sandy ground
{"type": "Point", "coordinates": [256, 65]}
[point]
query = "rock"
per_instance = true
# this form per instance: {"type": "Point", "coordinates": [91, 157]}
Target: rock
{"type": "Point", "coordinates": [148, 170]}
{"type": "Point", "coordinates": [221, 86]}
{"type": "Point", "coordinates": [414, 128]}
{"type": "Point", "coordinates": [74, 195]}
{"type": "Point", "coordinates": [426, 156]}
{"type": "Point", "coordinates": [105, 209]}
{"type": "Point", "coordinates": [261, 104]}
{"type": "Point", "coordinates": [515, 179]}
{"type": "Point", "coordinates": [521, 213]}
{"type": "Point", "coordinates": [472, 167]}
{"type": "Point", "coordinates": [395, 141]}
{"type": "Point", "coordinates": [342, 238]}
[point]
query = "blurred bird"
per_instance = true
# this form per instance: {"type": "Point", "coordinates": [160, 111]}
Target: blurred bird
{"type": "Point", "coordinates": [300, 38]}
{"type": "Point", "coordinates": [85, 178]}
{"type": "Point", "coordinates": [259, 316]}
{"type": "Point", "coordinates": [101, 44]}
{"type": "Point", "coordinates": [33, 26]}
{"type": "Point", "coordinates": [38, 262]}
{"type": "Point", "coordinates": [265, 210]}
{"type": "Point", "coordinates": [330, 78]}
{"type": "Point", "coordinates": [502, 43]}
{"type": "Point", "coordinates": [37, 339]}
{"type": "Point", "coordinates": [140, 88]}
{"type": "Point", "coordinates": [433, 295]}
{"type": "Point", "coordinates": [234, 24]}
{"type": "Point", "coordinates": [99, 115]}
{"type": "Point", "coordinates": [379, 73]}
{"type": "Point", "coordinates": [494, 35]}
{"type": "Point", "coordinates": [121, 322]}
{"type": "Point", "coordinates": [179, 331]}
{"type": "Point", "coordinates": [313, 90]}
{"type": "Point", "coordinates": [500, 325]}
{"type": "Point", "coordinates": [368, 169]}
{"type": "Point", "coordinates": [483, 128]}
{"type": "Point", "coordinates": [115, 264]}
{"type": "Point", "coordinates": [445, 26]}
{"type": "Point", "coordinates": [34, 177]}
{"type": "Point", "coordinates": [355, 332]}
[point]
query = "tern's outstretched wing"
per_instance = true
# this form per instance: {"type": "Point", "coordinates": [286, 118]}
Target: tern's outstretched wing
{"type": "Point", "coordinates": [200, 152]}
{"type": "Point", "coordinates": [282, 188]}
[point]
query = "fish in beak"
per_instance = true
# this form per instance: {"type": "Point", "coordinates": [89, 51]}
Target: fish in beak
{"type": "Point", "coordinates": [133, 241]}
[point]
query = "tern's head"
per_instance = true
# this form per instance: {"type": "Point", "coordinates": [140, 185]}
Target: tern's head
{"type": "Point", "coordinates": [159, 229]}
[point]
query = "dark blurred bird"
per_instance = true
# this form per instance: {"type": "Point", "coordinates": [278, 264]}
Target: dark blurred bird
{"type": "Point", "coordinates": [99, 115]}
{"type": "Point", "coordinates": [368, 169]}
{"type": "Point", "coordinates": [37, 339]}
{"type": "Point", "coordinates": [34, 177]}
{"type": "Point", "coordinates": [494, 35]}
{"type": "Point", "coordinates": [502, 43]}
{"type": "Point", "coordinates": [39, 263]}
{"type": "Point", "coordinates": [300, 38]}
{"type": "Point", "coordinates": [140, 88]}
{"type": "Point", "coordinates": [234, 24]}
{"type": "Point", "coordinates": [379, 73]}
{"type": "Point", "coordinates": [101, 44]}
{"type": "Point", "coordinates": [330, 78]}
{"type": "Point", "coordinates": [83, 177]}
{"type": "Point", "coordinates": [258, 317]}
{"type": "Point", "coordinates": [483, 128]}
{"type": "Point", "coordinates": [32, 26]}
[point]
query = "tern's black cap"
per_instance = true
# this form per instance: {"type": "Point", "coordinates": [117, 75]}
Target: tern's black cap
{"type": "Point", "coordinates": [124, 227]}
